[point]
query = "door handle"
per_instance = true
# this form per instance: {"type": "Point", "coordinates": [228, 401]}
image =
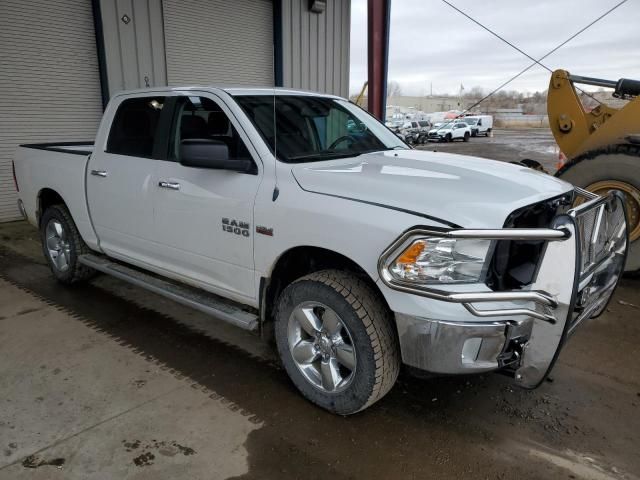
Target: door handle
{"type": "Point", "coordinates": [99, 173]}
{"type": "Point", "coordinates": [169, 185]}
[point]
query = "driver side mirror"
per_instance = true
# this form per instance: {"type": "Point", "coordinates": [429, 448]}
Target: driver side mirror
{"type": "Point", "coordinates": [214, 154]}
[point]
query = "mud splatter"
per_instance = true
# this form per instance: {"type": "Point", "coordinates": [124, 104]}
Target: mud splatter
{"type": "Point", "coordinates": [144, 460]}
{"type": "Point", "coordinates": [34, 461]}
{"type": "Point", "coordinates": [164, 448]}
{"type": "Point", "coordinates": [130, 446]}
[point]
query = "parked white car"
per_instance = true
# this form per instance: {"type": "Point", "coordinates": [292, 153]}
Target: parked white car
{"type": "Point", "coordinates": [301, 217]}
{"type": "Point", "coordinates": [450, 131]}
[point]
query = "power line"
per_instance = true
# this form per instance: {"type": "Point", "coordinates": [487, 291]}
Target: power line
{"type": "Point", "coordinates": [535, 61]}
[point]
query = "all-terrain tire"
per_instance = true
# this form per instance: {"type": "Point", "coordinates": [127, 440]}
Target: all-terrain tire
{"type": "Point", "coordinates": [615, 162]}
{"type": "Point", "coordinates": [370, 325]}
{"type": "Point", "coordinates": [74, 272]}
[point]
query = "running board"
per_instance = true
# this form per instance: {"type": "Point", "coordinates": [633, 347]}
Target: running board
{"type": "Point", "coordinates": [191, 297]}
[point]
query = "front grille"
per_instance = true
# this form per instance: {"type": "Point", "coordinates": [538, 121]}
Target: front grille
{"type": "Point", "coordinates": [602, 235]}
{"type": "Point", "coordinates": [595, 229]}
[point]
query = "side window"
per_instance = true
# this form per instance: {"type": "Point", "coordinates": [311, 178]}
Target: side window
{"type": "Point", "coordinates": [201, 118]}
{"type": "Point", "coordinates": [134, 126]}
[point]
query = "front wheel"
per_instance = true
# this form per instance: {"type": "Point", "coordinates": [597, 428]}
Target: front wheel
{"type": "Point", "coordinates": [336, 341]}
{"type": "Point", "coordinates": [448, 138]}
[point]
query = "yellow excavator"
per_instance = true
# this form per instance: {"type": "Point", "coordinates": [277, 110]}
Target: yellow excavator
{"type": "Point", "coordinates": [601, 146]}
{"type": "Point", "coordinates": [360, 99]}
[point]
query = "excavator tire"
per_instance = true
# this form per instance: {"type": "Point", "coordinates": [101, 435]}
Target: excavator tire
{"type": "Point", "coordinates": [616, 167]}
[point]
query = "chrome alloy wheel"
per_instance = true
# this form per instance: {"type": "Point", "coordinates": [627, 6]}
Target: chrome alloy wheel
{"type": "Point", "coordinates": [321, 347]}
{"type": "Point", "coordinates": [58, 245]}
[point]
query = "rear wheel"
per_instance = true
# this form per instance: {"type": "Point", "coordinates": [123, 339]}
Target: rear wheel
{"type": "Point", "coordinates": [613, 168]}
{"type": "Point", "coordinates": [466, 137]}
{"type": "Point", "coordinates": [336, 341]}
{"type": "Point", "coordinates": [62, 244]}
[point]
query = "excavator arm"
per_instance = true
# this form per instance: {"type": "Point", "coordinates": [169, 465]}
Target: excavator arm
{"type": "Point", "coordinates": [578, 131]}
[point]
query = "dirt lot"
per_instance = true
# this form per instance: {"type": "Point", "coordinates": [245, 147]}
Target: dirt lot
{"type": "Point", "coordinates": [507, 145]}
{"type": "Point", "coordinates": [107, 381]}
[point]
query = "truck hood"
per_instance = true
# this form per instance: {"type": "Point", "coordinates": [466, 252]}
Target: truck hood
{"type": "Point", "coordinates": [456, 190]}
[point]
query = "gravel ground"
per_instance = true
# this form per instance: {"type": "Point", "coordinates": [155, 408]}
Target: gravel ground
{"type": "Point", "coordinates": [105, 380]}
{"type": "Point", "coordinates": [507, 145]}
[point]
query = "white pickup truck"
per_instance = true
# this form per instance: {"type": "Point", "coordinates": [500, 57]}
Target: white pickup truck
{"type": "Point", "coordinates": [301, 216]}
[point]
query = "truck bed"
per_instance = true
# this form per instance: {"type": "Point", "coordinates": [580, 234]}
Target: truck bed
{"type": "Point", "coordinates": [59, 167]}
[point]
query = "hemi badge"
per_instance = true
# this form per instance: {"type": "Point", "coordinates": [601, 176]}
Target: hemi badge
{"type": "Point", "coordinates": [264, 230]}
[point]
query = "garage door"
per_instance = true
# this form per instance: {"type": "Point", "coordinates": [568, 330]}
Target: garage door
{"type": "Point", "coordinates": [219, 42]}
{"type": "Point", "coordinates": [49, 86]}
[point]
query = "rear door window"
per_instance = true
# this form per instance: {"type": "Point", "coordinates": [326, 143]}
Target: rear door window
{"type": "Point", "coordinates": [134, 127]}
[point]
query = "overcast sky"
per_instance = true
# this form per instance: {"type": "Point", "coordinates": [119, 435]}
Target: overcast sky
{"type": "Point", "coordinates": [433, 44]}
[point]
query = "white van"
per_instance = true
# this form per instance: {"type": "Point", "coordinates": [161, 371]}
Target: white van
{"type": "Point", "coordinates": [480, 124]}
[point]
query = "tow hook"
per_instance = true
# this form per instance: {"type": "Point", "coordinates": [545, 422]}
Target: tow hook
{"type": "Point", "coordinates": [510, 357]}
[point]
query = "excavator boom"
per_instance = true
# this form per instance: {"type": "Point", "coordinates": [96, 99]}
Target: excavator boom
{"type": "Point", "coordinates": [578, 131]}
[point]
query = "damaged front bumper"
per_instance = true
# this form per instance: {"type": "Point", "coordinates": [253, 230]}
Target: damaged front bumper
{"type": "Point", "coordinates": [521, 331]}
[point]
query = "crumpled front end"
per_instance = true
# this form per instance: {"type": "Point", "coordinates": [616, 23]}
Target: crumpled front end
{"type": "Point", "coordinates": [520, 331]}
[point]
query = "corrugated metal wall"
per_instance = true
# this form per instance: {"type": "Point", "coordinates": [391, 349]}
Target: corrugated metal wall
{"type": "Point", "coordinates": [133, 35]}
{"type": "Point", "coordinates": [219, 42]}
{"type": "Point", "coordinates": [50, 84]}
{"type": "Point", "coordinates": [49, 80]}
{"type": "Point", "coordinates": [316, 46]}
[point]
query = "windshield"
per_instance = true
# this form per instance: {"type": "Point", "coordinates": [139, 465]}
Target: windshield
{"type": "Point", "coordinates": [309, 128]}
{"type": "Point", "coordinates": [470, 121]}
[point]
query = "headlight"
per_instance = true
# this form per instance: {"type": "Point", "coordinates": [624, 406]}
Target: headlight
{"type": "Point", "coordinates": [434, 260]}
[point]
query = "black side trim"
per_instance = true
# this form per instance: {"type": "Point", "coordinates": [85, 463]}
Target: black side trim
{"type": "Point", "coordinates": [389, 207]}
{"type": "Point", "coordinates": [55, 147]}
{"type": "Point", "coordinates": [102, 58]}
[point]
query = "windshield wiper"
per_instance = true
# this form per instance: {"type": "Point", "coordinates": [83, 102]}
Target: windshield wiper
{"type": "Point", "coordinates": [323, 156]}
{"type": "Point", "coordinates": [332, 155]}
